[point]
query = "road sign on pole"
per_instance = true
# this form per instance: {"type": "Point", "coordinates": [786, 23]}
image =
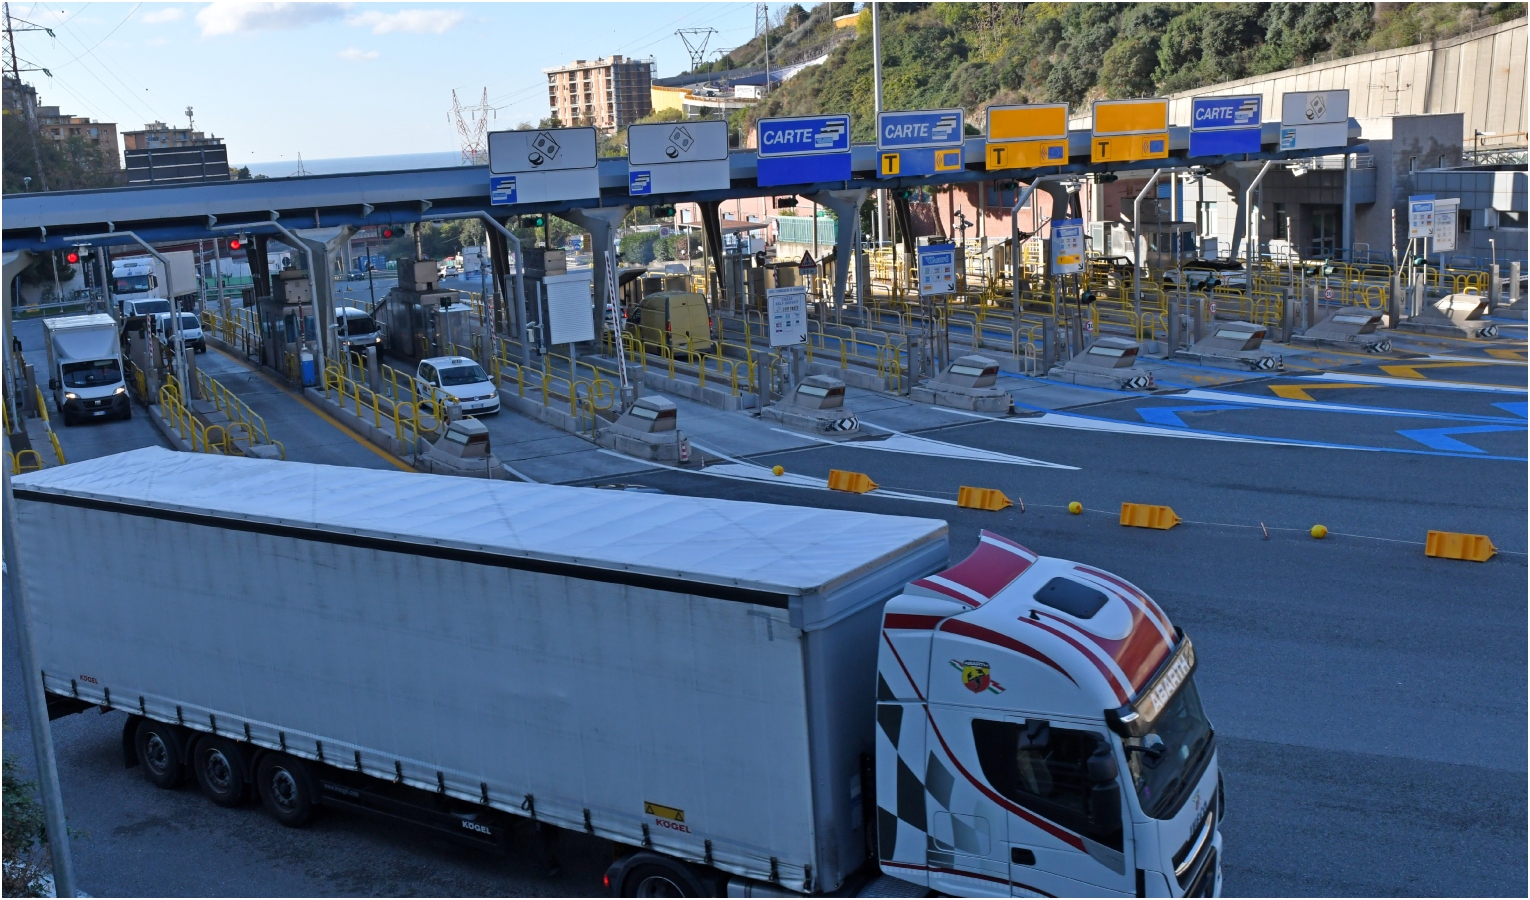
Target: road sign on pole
{"type": "Point", "coordinates": [1221, 126]}
{"type": "Point", "coordinates": [920, 142]}
{"type": "Point", "coordinates": [1420, 216]}
{"type": "Point", "coordinates": [1126, 130]}
{"type": "Point", "coordinates": [1444, 234]}
{"type": "Point", "coordinates": [787, 309]}
{"type": "Point", "coordinates": [671, 157]}
{"type": "Point", "coordinates": [803, 149]}
{"type": "Point", "coordinates": [808, 266]}
{"type": "Point", "coordinates": [1027, 137]}
{"type": "Point", "coordinates": [937, 269]}
{"type": "Point", "coordinates": [548, 164]}
{"type": "Point", "coordinates": [1067, 246]}
{"type": "Point", "coordinates": [1311, 119]}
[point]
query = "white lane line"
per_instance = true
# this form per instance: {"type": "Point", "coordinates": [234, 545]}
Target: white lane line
{"type": "Point", "coordinates": [738, 470]}
{"type": "Point", "coordinates": [919, 446]}
{"type": "Point", "coordinates": [1476, 359]}
{"type": "Point", "coordinates": [1319, 406]}
{"type": "Point", "coordinates": [1081, 423]}
{"type": "Point", "coordinates": [1417, 383]}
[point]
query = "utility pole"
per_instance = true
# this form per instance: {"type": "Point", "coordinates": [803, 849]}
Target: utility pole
{"type": "Point", "coordinates": [21, 97]}
{"type": "Point", "coordinates": [876, 85]}
{"type": "Point", "coordinates": [762, 28]}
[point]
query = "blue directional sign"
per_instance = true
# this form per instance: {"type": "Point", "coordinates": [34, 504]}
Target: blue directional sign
{"type": "Point", "coordinates": [803, 149]}
{"type": "Point", "coordinates": [639, 182]}
{"type": "Point", "coordinates": [919, 142]}
{"type": "Point", "coordinates": [1221, 126]}
{"type": "Point", "coordinates": [501, 190]}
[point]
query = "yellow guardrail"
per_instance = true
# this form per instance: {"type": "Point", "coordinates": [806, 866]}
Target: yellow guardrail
{"type": "Point", "coordinates": [16, 464]}
{"type": "Point", "coordinates": [201, 438]}
{"type": "Point", "coordinates": [228, 403]}
{"type": "Point", "coordinates": [599, 392]}
{"type": "Point", "coordinates": [409, 427]}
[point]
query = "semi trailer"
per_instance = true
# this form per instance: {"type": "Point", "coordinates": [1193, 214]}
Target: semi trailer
{"type": "Point", "coordinates": [747, 699]}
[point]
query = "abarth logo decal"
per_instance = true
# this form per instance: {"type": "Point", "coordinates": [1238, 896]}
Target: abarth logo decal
{"type": "Point", "coordinates": [976, 677]}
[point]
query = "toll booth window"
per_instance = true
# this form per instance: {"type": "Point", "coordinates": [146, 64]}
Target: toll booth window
{"type": "Point", "coordinates": [971, 371]}
{"type": "Point", "coordinates": [1075, 598]}
{"type": "Point", "coordinates": [1351, 320]}
{"type": "Point", "coordinates": [1048, 771]}
{"type": "Point", "coordinates": [460, 375]}
{"type": "Point", "coordinates": [1113, 352]}
{"type": "Point", "coordinates": [643, 413]}
{"type": "Point", "coordinates": [1236, 335]}
{"type": "Point", "coordinates": [91, 374]}
{"type": "Point", "coordinates": [812, 390]}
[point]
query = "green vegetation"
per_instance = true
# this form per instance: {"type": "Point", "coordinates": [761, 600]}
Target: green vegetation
{"type": "Point", "coordinates": [974, 55]}
{"type": "Point", "coordinates": [25, 839]}
{"type": "Point", "coordinates": [68, 165]}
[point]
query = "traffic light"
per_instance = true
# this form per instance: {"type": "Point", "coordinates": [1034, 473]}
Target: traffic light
{"type": "Point", "coordinates": [536, 221]}
{"type": "Point", "coordinates": [786, 203]}
{"type": "Point", "coordinates": [1087, 298]}
{"type": "Point", "coordinates": [388, 231]}
{"type": "Point", "coordinates": [234, 243]}
{"type": "Point", "coordinates": [71, 257]}
{"type": "Point", "coordinates": [663, 212]}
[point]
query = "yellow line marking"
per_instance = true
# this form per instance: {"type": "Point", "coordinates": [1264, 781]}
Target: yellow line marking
{"type": "Point", "coordinates": [1299, 391]}
{"type": "Point", "coordinates": [1516, 355]}
{"type": "Point", "coordinates": [321, 414]}
{"type": "Point", "coordinates": [1411, 371]}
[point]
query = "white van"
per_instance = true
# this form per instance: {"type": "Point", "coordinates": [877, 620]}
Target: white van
{"type": "Point", "coordinates": [356, 330]}
{"type": "Point", "coordinates": [191, 330]}
{"type": "Point", "coordinates": [462, 380]}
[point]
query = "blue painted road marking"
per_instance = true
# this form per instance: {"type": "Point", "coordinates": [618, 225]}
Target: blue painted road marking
{"type": "Point", "coordinates": [1169, 415]}
{"type": "Point", "coordinates": [1440, 438]}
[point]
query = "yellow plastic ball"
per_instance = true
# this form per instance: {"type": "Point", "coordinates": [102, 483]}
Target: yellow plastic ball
{"type": "Point", "coordinates": [1319, 531]}
{"type": "Point", "coordinates": [1075, 507]}
{"type": "Point", "coordinates": [778, 470]}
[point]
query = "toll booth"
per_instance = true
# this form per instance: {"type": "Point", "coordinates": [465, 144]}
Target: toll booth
{"type": "Point", "coordinates": [1232, 345]}
{"type": "Point", "coordinates": [1110, 362]}
{"type": "Point", "coordinates": [648, 431]}
{"type": "Point", "coordinates": [1353, 327]}
{"type": "Point", "coordinates": [1457, 315]}
{"type": "Point", "coordinates": [287, 327]}
{"type": "Point", "coordinates": [968, 383]}
{"type": "Point", "coordinates": [463, 450]}
{"type": "Point", "coordinates": [419, 315]}
{"type": "Point", "coordinates": [816, 406]}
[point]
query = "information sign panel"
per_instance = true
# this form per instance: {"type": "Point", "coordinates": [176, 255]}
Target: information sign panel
{"type": "Point", "coordinates": [1420, 216]}
{"type": "Point", "coordinates": [1067, 246]}
{"type": "Point", "coordinates": [570, 308]}
{"type": "Point", "coordinates": [787, 309]}
{"type": "Point", "coordinates": [1027, 137]}
{"type": "Point", "coordinates": [1126, 130]}
{"type": "Point", "coordinates": [1026, 154]}
{"type": "Point", "coordinates": [803, 149]}
{"type": "Point", "coordinates": [1126, 148]}
{"type": "Point", "coordinates": [937, 269]}
{"type": "Point", "coordinates": [673, 157]}
{"type": "Point", "coordinates": [550, 164]}
{"type": "Point", "coordinates": [1220, 126]}
{"type": "Point", "coordinates": [919, 128]}
{"type": "Point", "coordinates": [1444, 236]}
{"type": "Point", "coordinates": [1313, 119]}
{"type": "Point", "coordinates": [502, 190]}
{"type": "Point", "coordinates": [920, 161]}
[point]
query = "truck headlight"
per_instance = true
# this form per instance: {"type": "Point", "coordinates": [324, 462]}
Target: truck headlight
{"type": "Point", "coordinates": [121, 389]}
{"type": "Point", "coordinates": [71, 396]}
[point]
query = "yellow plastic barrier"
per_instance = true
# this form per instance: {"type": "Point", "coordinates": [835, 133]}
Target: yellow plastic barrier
{"type": "Point", "coordinates": [991, 499]}
{"type": "Point", "coordinates": [1142, 515]}
{"type": "Point", "coordinates": [1455, 545]}
{"type": "Point", "coordinates": [853, 482]}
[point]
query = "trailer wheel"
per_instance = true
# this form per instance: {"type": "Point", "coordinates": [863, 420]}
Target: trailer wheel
{"type": "Point", "coordinates": [285, 789]}
{"type": "Point", "coordinates": [220, 768]}
{"type": "Point", "coordinates": [160, 753]}
{"type": "Point", "coordinates": [659, 878]}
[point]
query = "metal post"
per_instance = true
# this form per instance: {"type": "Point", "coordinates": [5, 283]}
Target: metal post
{"type": "Point", "coordinates": [1251, 242]}
{"type": "Point", "coordinates": [876, 88]}
{"type": "Point", "coordinates": [218, 270]}
{"type": "Point", "coordinates": [1137, 253]}
{"type": "Point", "coordinates": [37, 701]}
{"type": "Point", "coordinates": [1349, 209]}
{"type": "Point", "coordinates": [1014, 239]}
{"type": "Point", "coordinates": [321, 327]}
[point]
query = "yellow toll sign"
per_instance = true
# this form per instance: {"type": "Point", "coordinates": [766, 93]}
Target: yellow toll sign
{"type": "Point", "coordinates": [1128, 147]}
{"type": "Point", "coordinates": [948, 160]}
{"type": "Point", "coordinates": [1026, 154]}
{"type": "Point", "coordinates": [1031, 122]}
{"type": "Point", "coordinates": [1130, 116]}
{"type": "Point", "coordinates": [890, 163]}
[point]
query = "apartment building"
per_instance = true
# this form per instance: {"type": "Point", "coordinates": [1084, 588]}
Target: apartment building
{"type": "Point", "coordinates": [608, 93]}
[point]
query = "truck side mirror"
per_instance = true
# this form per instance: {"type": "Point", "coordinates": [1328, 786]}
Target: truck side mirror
{"type": "Point", "coordinates": [53, 384]}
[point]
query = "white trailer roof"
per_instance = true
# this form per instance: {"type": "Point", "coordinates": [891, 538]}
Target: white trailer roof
{"type": "Point", "coordinates": [789, 550]}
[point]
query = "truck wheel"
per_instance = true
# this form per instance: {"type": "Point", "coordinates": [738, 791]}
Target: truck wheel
{"type": "Point", "coordinates": [127, 412]}
{"type": "Point", "coordinates": [220, 766]}
{"type": "Point", "coordinates": [659, 879]}
{"type": "Point", "coordinates": [285, 789]}
{"type": "Point", "coordinates": [160, 753]}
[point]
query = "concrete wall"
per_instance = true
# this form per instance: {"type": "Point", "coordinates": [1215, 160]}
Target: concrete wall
{"type": "Point", "coordinates": [1481, 75]}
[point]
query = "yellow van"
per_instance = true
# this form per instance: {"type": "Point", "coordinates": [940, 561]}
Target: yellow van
{"type": "Point", "coordinates": [669, 318]}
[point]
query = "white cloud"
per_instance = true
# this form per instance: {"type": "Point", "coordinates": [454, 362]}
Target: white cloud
{"type": "Point", "coordinates": [410, 21]}
{"type": "Point", "coordinates": [351, 54]}
{"type": "Point", "coordinates": [234, 16]}
{"type": "Point", "coordinates": [164, 14]}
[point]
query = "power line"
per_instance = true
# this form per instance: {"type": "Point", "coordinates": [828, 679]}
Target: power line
{"type": "Point", "coordinates": [100, 42]}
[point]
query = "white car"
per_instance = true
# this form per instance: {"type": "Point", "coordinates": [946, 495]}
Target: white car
{"type": "Point", "coordinates": [462, 380]}
{"type": "Point", "coordinates": [191, 330]}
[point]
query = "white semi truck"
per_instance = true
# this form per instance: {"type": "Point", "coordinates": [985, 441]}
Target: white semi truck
{"type": "Point", "coordinates": [748, 699]}
{"type": "Point", "coordinates": [135, 277]}
{"type": "Point", "coordinates": [85, 368]}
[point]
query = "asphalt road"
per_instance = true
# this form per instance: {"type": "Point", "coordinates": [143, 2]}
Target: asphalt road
{"type": "Point", "coordinates": [1370, 702]}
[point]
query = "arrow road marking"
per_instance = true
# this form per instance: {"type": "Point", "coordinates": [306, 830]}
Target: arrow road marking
{"type": "Point", "coordinates": [1299, 391]}
{"type": "Point", "coordinates": [1440, 439]}
{"type": "Point", "coordinates": [1169, 415]}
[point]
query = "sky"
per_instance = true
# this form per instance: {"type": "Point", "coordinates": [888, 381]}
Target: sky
{"type": "Point", "coordinates": [340, 79]}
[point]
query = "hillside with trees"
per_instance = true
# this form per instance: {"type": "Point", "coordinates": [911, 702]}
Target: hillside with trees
{"type": "Point", "coordinates": [974, 55]}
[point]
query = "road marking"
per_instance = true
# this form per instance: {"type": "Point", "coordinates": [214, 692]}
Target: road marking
{"type": "Point", "coordinates": [1517, 355]}
{"type": "Point", "coordinates": [321, 414]}
{"type": "Point", "coordinates": [1440, 438]}
{"type": "Point", "coordinates": [1319, 406]}
{"type": "Point", "coordinates": [1299, 392]}
{"type": "Point", "coordinates": [1169, 415]}
{"type": "Point", "coordinates": [1419, 383]}
{"type": "Point", "coordinates": [919, 446]}
{"type": "Point", "coordinates": [1411, 370]}
{"type": "Point", "coordinates": [738, 470]}
{"type": "Point", "coordinates": [1478, 361]}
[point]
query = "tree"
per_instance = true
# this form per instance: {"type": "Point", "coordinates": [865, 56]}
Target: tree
{"type": "Point", "coordinates": [25, 839]}
{"type": "Point", "coordinates": [73, 164]}
{"type": "Point", "coordinates": [1127, 68]}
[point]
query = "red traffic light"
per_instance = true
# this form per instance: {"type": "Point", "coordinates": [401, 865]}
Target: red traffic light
{"type": "Point", "coordinates": [234, 244]}
{"type": "Point", "coordinates": [387, 232]}
{"type": "Point", "coordinates": [72, 257]}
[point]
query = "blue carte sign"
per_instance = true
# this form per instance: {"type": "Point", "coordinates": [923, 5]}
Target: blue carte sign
{"type": "Point", "coordinates": [911, 129]}
{"type": "Point", "coordinates": [1222, 126]}
{"type": "Point", "coordinates": [804, 135]}
{"type": "Point", "coordinates": [803, 150]}
{"type": "Point", "coordinates": [502, 190]}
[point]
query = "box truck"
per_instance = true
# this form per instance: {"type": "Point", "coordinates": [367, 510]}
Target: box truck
{"type": "Point", "coordinates": [135, 277]}
{"type": "Point", "coordinates": [748, 699]}
{"type": "Point", "coordinates": [85, 368]}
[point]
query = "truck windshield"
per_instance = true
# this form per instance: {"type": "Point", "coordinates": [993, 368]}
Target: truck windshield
{"type": "Point", "coordinates": [1187, 738]}
{"type": "Point", "coordinates": [358, 325]}
{"type": "Point", "coordinates": [189, 322]}
{"type": "Point", "coordinates": [91, 374]}
{"type": "Point", "coordinates": [150, 307]}
{"type": "Point", "coordinates": [459, 375]}
{"type": "Point", "coordinates": [130, 284]}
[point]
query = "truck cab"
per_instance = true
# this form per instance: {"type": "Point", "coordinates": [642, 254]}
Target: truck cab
{"type": "Point", "coordinates": [132, 279]}
{"type": "Point", "coordinates": [85, 368]}
{"type": "Point", "coordinates": [1040, 733]}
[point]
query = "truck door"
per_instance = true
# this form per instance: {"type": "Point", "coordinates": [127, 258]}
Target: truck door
{"type": "Point", "coordinates": [968, 832]}
{"type": "Point", "coordinates": [1066, 820]}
